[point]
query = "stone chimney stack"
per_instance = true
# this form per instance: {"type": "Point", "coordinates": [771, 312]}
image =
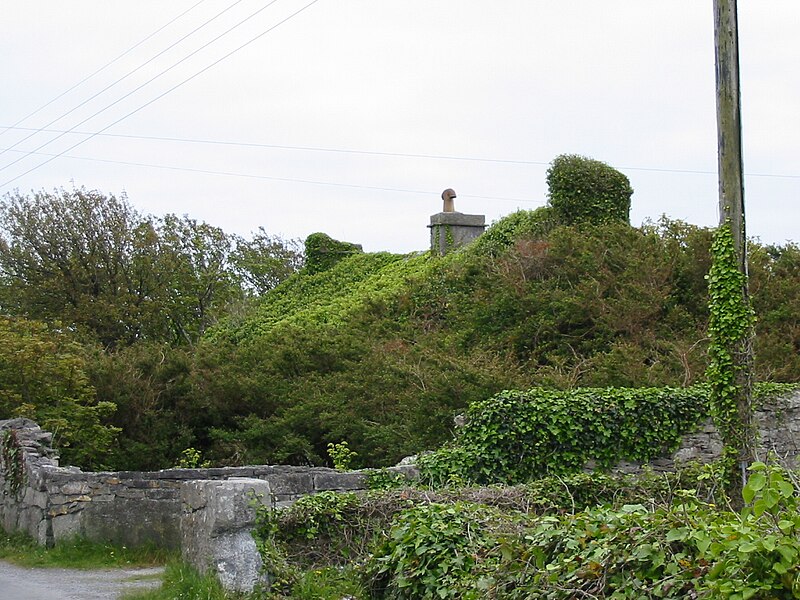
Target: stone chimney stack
{"type": "Point", "coordinates": [451, 229]}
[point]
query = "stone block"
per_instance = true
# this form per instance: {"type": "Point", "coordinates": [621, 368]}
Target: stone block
{"type": "Point", "coordinates": [338, 481]}
{"type": "Point", "coordinates": [133, 522]}
{"type": "Point", "coordinates": [66, 526]}
{"type": "Point", "coordinates": [164, 494]}
{"type": "Point", "coordinates": [291, 483]}
{"type": "Point", "coordinates": [75, 488]}
{"type": "Point", "coordinates": [216, 520]}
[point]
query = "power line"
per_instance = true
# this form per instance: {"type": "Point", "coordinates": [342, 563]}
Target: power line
{"type": "Point", "coordinates": [173, 88]}
{"type": "Point", "coordinates": [131, 73]}
{"type": "Point", "coordinates": [273, 178]}
{"type": "Point", "coordinates": [373, 152]}
{"type": "Point", "coordinates": [103, 68]}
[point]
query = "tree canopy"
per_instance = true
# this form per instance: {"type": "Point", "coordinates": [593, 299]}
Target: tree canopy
{"type": "Point", "coordinates": [93, 262]}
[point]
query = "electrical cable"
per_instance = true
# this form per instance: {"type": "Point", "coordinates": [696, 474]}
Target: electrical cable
{"type": "Point", "coordinates": [272, 178]}
{"type": "Point", "coordinates": [380, 153]}
{"type": "Point", "coordinates": [173, 88]}
{"type": "Point", "coordinates": [128, 75]}
{"type": "Point", "coordinates": [103, 68]}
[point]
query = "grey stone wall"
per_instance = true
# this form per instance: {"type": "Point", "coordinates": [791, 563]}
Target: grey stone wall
{"type": "Point", "coordinates": [778, 422]}
{"type": "Point", "coordinates": [53, 503]}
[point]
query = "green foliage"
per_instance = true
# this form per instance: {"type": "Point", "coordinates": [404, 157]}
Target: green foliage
{"type": "Point", "coordinates": [384, 479]}
{"type": "Point", "coordinates": [608, 536]}
{"type": "Point", "coordinates": [687, 549]}
{"type": "Point", "coordinates": [150, 384]}
{"type": "Point", "coordinates": [518, 436]}
{"type": "Point", "coordinates": [405, 340]}
{"type": "Point", "coordinates": [192, 458]}
{"type": "Point", "coordinates": [322, 252]}
{"type": "Point", "coordinates": [333, 296]}
{"type": "Point", "coordinates": [195, 264]}
{"type": "Point", "coordinates": [519, 225]}
{"type": "Point", "coordinates": [94, 263]}
{"type": "Point", "coordinates": [77, 553]}
{"type": "Point", "coordinates": [78, 257]}
{"type": "Point", "coordinates": [411, 341]}
{"type": "Point", "coordinates": [43, 377]}
{"type": "Point", "coordinates": [341, 456]}
{"type": "Point", "coordinates": [586, 190]}
{"type": "Point", "coordinates": [328, 584]}
{"type": "Point", "coordinates": [321, 513]}
{"type": "Point", "coordinates": [730, 324]}
{"type": "Point", "coordinates": [265, 260]}
{"type": "Point", "coordinates": [774, 273]}
{"type": "Point", "coordinates": [430, 552]}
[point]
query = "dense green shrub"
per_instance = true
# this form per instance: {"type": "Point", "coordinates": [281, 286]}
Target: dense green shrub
{"type": "Point", "coordinates": [431, 552]}
{"type": "Point", "coordinates": [519, 225]}
{"type": "Point", "coordinates": [582, 189]}
{"type": "Point", "coordinates": [382, 350]}
{"type": "Point", "coordinates": [322, 252]}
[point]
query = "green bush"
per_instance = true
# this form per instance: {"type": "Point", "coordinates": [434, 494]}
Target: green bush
{"type": "Point", "coordinates": [431, 551]}
{"type": "Point", "coordinates": [582, 189]}
{"type": "Point", "coordinates": [653, 535]}
{"type": "Point", "coordinates": [322, 252]}
{"type": "Point", "coordinates": [522, 224]}
{"type": "Point", "coordinates": [43, 377]}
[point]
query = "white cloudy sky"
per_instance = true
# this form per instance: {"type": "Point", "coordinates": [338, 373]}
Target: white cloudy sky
{"type": "Point", "coordinates": [322, 113]}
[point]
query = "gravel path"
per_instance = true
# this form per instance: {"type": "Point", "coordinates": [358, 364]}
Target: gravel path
{"type": "Point", "coordinates": [21, 583]}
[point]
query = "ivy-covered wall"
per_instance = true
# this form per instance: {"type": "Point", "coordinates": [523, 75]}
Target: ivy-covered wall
{"type": "Point", "coordinates": [519, 436]}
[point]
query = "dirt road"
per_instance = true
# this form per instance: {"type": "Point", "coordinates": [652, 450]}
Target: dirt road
{"type": "Point", "coordinates": [20, 583]}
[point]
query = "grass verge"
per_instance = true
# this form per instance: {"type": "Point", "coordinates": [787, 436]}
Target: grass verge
{"type": "Point", "coordinates": [77, 553]}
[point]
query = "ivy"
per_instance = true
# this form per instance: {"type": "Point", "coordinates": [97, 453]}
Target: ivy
{"type": "Point", "coordinates": [518, 436]}
{"type": "Point", "coordinates": [13, 462]}
{"type": "Point", "coordinates": [322, 252]}
{"type": "Point", "coordinates": [621, 537]}
{"type": "Point", "coordinates": [730, 324]}
{"type": "Point", "coordinates": [586, 190]}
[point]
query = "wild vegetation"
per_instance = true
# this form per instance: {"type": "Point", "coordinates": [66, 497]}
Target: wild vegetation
{"type": "Point", "coordinates": [595, 536]}
{"type": "Point", "coordinates": [563, 334]}
{"type": "Point", "coordinates": [157, 334]}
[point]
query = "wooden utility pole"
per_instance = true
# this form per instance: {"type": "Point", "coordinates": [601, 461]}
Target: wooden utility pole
{"type": "Point", "coordinates": [731, 199]}
{"type": "Point", "coordinates": [729, 124]}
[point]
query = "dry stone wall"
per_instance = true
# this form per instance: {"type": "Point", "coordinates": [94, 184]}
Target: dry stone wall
{"type": "Point", "coordinates": [52, 503]}
{"type": "Point", "coordinates": [778, 422]}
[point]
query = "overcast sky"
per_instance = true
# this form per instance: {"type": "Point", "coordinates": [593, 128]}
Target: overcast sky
{"type": "Point", "coordinates": [352, 116]}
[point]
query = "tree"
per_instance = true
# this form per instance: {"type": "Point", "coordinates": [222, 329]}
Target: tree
{"type": "Point", "coordinates": [266, 260]}
{"type": "Point", "coordinates": [43, 377]}
{"type": "Point", "coordinates": [80, 257]}
{"type": "Point", "coordinates": [195, 260]}
{"type": "Point", "coordinates": [93, 262]}
{"type": "Point", "coordinates": [582, 189]}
